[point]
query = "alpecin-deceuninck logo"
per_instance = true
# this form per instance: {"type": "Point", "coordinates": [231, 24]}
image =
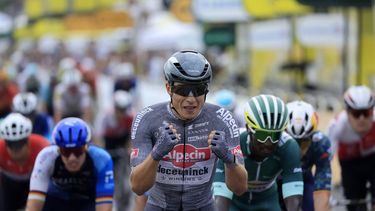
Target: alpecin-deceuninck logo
{"type": "Point", "coordinates": [190, 157]}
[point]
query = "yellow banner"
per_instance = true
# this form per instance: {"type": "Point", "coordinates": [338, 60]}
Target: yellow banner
{"type": "Point", "coordinates": [34, 8]}
{"type": "Point", "coordinates": [272, 8]}
{"type": "Point", "coordinates": [56, 6]}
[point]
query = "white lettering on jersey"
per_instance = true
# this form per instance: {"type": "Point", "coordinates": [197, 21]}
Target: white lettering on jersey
{"type": "Point", "coordinates": [228, 119]}
{"type": "Point", "coordinates": [138, 119]}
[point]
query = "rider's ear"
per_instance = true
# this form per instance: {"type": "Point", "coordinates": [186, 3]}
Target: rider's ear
{"type": "Point", "coordinates": [169, 88]}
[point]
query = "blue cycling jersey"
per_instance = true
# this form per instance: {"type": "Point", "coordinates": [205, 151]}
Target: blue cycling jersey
{"type": "Point", "coordinates": [42, 125]}
{"type": "Point", "coordinates": [93, 184]}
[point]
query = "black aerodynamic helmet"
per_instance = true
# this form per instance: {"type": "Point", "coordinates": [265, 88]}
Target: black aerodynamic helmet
{"type": "Point", "coordinates": [189, 67]}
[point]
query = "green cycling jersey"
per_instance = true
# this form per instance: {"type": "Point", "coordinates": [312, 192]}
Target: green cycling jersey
{"type": "Point", "coordinates": [262, 191]}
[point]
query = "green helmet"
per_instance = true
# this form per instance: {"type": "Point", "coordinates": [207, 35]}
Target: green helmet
{"type": "Point", "coordinates": [267, 113]}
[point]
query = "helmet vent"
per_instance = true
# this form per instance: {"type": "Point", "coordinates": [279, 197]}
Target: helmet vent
{"type": "Point", "coordinates": [61, 136]}
{"type": "Point", "coordinates": [70, 135]}
{"type": "Point", "coordinates": [204, 70]}
{"type": "Point", "coordinates": [79, 136]}
{"type": "Point", "coordinates": [306, 117]}
{"type": "Point", "coordinates": [370, 100]}
{"type": "Point", "coordinates": [265, 119]}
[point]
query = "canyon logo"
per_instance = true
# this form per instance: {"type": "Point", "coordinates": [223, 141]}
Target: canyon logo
{"type": "Point", "coordinates": [186, 159]}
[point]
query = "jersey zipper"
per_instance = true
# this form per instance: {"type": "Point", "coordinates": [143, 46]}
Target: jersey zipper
{"type": "Point", "coordinates": [183, 166]}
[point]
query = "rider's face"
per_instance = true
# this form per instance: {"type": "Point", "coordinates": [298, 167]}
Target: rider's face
{"type": "Point", "coordinates": [263, 144]}
{"type": "Point", "coordinates": [73, 160]}
{"type": "Point", "coordinates": [360, 120]}
{"type": "Point", "coordinates": [187, 107]}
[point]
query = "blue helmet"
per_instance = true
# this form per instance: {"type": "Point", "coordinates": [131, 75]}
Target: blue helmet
{"type": "Point", "coordinates": [71, 132]}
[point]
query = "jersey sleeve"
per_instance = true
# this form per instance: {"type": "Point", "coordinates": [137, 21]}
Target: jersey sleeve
{"type": "Point", "coordinates": [220, 188]}
{"type": "Point", "coordinates": [141, 137]}
{"type": "Point", "coordinates": [292, 183]}
{"type": "Point", "coordinates": [105, 179]}
{"type": "Point", "coordinates": [323, 176]}
{"type": "Point", "coordinates": [43, 169]}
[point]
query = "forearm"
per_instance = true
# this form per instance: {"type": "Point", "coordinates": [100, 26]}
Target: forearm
{"type": "Point", "coordinates": [143, 176]}
{"type": "Point", "coordinates": [34, 205]}
{"type": "Point", "coordinates": [293, 203]}
{"type": "Point", "coordinates": [321, 200]}
{"type": "Point", "coordinates": [236, 178]}
{"type": "Point", "coordinates": [104, 207]}
{"type": "Point", "coordinates": [222, 203]}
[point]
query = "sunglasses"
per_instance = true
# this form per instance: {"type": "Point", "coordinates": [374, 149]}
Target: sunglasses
{"type": "Point", "coordinates": [262, 136]}
{"type": "Point", "coordinates": [16, 145]}
{"type": "Point", "coordinates": [358, 113]}
{"type": "Point", "coordinates": [188, 90]}
{"type": "Point", "coordinates": [66, 152]}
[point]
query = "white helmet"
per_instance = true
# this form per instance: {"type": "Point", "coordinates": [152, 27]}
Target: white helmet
{"type": "Point", "coordinates": [15, 127]}
{"type": "Point", "coordinates": [359, 97]}
{"type": "Point", "coordinates": [71, 77]}
{"type": "Point", "coordinates": [25, 103]}
{"type": "Point", "coordinates": [122, 99]}
{"type": "Point", "coordinates": [67, 63]}
{"type": "Point", "coordinates": [303, 119]}
{"type": "Point", "coordinates": [226, 99]}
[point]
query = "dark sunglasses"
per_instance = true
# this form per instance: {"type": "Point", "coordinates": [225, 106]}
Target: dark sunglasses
{"type": "Point", "coordinates": [187, 90]}
{"type": "Point", "coordinates": [262, 136]}
{"type": "Point", "coordinates": [66, 152]}
{"type": "Point", "coordinates": [357, 113]}
{"type": "Point", "coordinates": [16, 145]}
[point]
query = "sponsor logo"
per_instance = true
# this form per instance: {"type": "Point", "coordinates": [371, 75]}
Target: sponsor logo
{"type": "Point", "coordinates": [138, 119]}
{"type": "Point", "coordinates": [187, 172]}
{"type": "Point", "coordinates": [205, 130]}
{"type": "Point", "coordinates": [219, 170]}
{"type": "Point", "coordinates": [228, 119]}
{"type": "Point", "coordinates": [134, 153]}
{"type": "Point", "coordinates": [203, 124]}
{"type": "Point", "coordinates": [237, 151]}
{"type": "Point", "coordinates": [197, 138]}
{"type": "Point", "coordinates": [108, 176]}
{"type": "Point", "coordinates": [188, 157]}
{"type": "Point", "coordinates": [296, 170]}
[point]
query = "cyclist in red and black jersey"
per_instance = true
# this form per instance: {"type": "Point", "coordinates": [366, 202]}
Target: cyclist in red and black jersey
{"type": "Point", "coordinates": [353, 132]}
{"type": "Point", "coordinates": [18, 151]}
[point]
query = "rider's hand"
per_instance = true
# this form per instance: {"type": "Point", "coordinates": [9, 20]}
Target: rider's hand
{"type": "Point", "coordinates": [165, 143]}
{"type": "Point", "coordinates": [220, 147]}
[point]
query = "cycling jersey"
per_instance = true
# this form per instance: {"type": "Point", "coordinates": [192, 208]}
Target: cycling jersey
{"type": "Point", "coordinates": [184, 176]}
{"type": "Point", "coordinates": [21, 172]}
{"type": "Point", "coordinates": [262, 190]}
{"type": "Point", "coordinates": [115, 131]}
{"type": "Point", "coordinates": [350, 144]}
{"type": "Point", "coordinates": [42, 125]}
{"type": "Point", "coordinates": [15, 178]}
{"type": "Point", "coordinates": [92, 184]}
{"type": "Point", "coordinates": [318, 154]}
{"type": "Point", "coordinates": [356, 155]}
{"type": "Point", "coordinates": [72, 103]}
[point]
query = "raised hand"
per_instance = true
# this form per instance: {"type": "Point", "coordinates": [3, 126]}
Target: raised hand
{"type": "Point", "coordinates": [165, 143]}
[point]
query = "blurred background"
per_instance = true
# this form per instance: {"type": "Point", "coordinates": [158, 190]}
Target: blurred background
{"type": "Point", "coordinates": [295, 49]}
